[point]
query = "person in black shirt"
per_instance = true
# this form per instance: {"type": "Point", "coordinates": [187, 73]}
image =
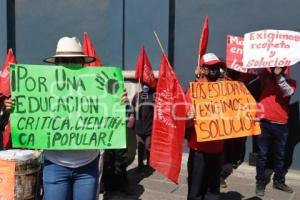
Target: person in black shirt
{"type": "Point", "coordinates": [4, 118]}
{"type": "Point", "coordinates": [143, 104]}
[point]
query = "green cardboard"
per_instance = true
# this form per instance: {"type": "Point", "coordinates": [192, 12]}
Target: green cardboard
{"type": "Point", "coordinates": [67, 107]}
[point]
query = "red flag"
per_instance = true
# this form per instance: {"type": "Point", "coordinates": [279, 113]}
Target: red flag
{"type": "Point", "coordinates": [5, 90]}
{"type": "Point", "coordinates": [143, 71]}
{"type": "Point", "coordinates": [203, 40]}
{"type": "Point", "coordinates": [88, 49]}
{"type": "Point", "coordinates": [168, 123]}
{"type": "Point", "coordinates": [4, 75]}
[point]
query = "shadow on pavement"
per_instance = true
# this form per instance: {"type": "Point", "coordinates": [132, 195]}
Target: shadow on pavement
{"type": "Point", "coordinates": [254, 198]}
{"type": "Point", "coordinates": [134, 190]}
{"type": "Point", "coordinates": [135, 176]}
{"type": "Point", "coordinates": [232, 195]}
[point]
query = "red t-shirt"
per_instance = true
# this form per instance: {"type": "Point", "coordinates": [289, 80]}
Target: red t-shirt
{"type": "Point", "coordinates": [206, 147]}
{"type": "Point", "coordinates": [274, 106]}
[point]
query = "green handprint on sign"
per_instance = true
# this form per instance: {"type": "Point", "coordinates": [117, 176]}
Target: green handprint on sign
{"type": "Point", "coordinates": [110, 84]}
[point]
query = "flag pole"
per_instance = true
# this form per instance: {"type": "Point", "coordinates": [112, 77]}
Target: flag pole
{"type": "Point", "coordinates": [159, 43]}
{"type": "Point", "coordinates": [198, 65]}
{"type": "Point", "coordinates": [138, 99]}
{"type": "Point", "coordinates": [138, 94]}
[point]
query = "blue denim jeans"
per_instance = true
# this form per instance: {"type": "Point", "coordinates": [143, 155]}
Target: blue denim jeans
{"type": "Point", "coordinates": [63, 183]}
{"type": "Point", "coordinates": [273, 138]}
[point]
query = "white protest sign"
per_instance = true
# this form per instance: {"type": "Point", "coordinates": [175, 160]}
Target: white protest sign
{"type": "Point", "coordinates": [270, 48]}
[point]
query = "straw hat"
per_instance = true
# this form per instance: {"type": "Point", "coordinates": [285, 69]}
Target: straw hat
{"type": "Point", "coordinates": [69, 48]}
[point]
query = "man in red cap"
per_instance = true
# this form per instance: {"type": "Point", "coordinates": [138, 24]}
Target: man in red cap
{"type": "Point", "coordinates": [204, 163]}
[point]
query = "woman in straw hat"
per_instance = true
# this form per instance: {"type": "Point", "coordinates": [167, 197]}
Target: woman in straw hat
{"type": "Point", "coordinates": [70, 174]}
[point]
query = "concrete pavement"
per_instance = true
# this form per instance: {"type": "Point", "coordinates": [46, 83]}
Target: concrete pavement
{"type": "Point", "coordinates": [241, 186]}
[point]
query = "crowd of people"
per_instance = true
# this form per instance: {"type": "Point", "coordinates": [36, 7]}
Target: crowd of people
{"type": "Point", "coordinates": [75, 174]}
{"type": "Point", "coordinates": [207, 160]}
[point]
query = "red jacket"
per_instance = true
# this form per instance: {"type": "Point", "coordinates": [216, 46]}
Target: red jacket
{"type": "Point", "coordinates": [274, 106]}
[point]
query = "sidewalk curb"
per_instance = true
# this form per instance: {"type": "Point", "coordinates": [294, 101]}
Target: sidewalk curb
{"type": "Point", "coordinates": [245, 168]}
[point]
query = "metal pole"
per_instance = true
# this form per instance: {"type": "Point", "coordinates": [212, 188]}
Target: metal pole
{"type": "Point", "coordinates": [171, 38]}
{"type": "Point", "coordinates": [11, 24]}
{"type": "Point", "coordinates": [123, 36]}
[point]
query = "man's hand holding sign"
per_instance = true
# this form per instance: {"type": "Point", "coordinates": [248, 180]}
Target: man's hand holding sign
{"type": "Point", "coordinates": [277, 71]}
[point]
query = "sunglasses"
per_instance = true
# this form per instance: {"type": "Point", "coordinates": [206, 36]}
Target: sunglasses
{"type": "Point", "coordinates": [69, 60]}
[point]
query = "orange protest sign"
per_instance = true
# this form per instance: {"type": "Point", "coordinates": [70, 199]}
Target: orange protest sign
{"type": "Point", "coordinates": [7, 180]}
{"type": "Point", "coordinates": [224, 110]}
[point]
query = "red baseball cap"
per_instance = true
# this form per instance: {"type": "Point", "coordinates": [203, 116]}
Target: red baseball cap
{"type": "Point", "coordinates": [210, 59]}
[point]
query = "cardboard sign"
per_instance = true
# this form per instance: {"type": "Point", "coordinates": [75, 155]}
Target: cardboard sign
{"type": "Point", "coordinates": [224, 110]}
{"type": "Point", "coordinates": [234, 55]}
{"type": "Point", "coordinates": [7, 180]}
{"type": "Point", "coordinates": [74, 107]}
{"type": "Point", "coordinates": [271, 48]}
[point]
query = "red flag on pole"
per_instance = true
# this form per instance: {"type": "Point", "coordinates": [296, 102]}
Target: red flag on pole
{"type": "Point", "coordinates": [168, 124]}
{"type": "Point", "coordinates": [5, 90]}
{"type": "Point", "coordinates": [88, 49]}
{"type": "Point", "coordinates": [4, 75]}
{"type": "Point", "coordinates": [143, 71]}
{"type": "Point", "coordinates": [203, 40]}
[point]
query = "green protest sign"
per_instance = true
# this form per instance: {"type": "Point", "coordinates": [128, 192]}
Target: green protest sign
{"type": "Point", "coordinates": [74, 107]}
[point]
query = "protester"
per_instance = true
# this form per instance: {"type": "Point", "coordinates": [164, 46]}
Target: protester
{"type": "Point", "coordinates": [114, 176]}
{"type": "Point", "coordinates": [3, 119]}
{"type": "Point", "coordinates": [143, 105]}
{"type": "Point", "coordinates": [70, 174]}
{"type": "Point", "coordinates": [6, 104]}
{"type": "Point", "coordinates": [276, 92]}
{"type": "Point", "coordinates": [235, 148]}
{"type": "Point", "coordinates": [204, 163]}
{"type": "Point", "coordinates": [232, 158]}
